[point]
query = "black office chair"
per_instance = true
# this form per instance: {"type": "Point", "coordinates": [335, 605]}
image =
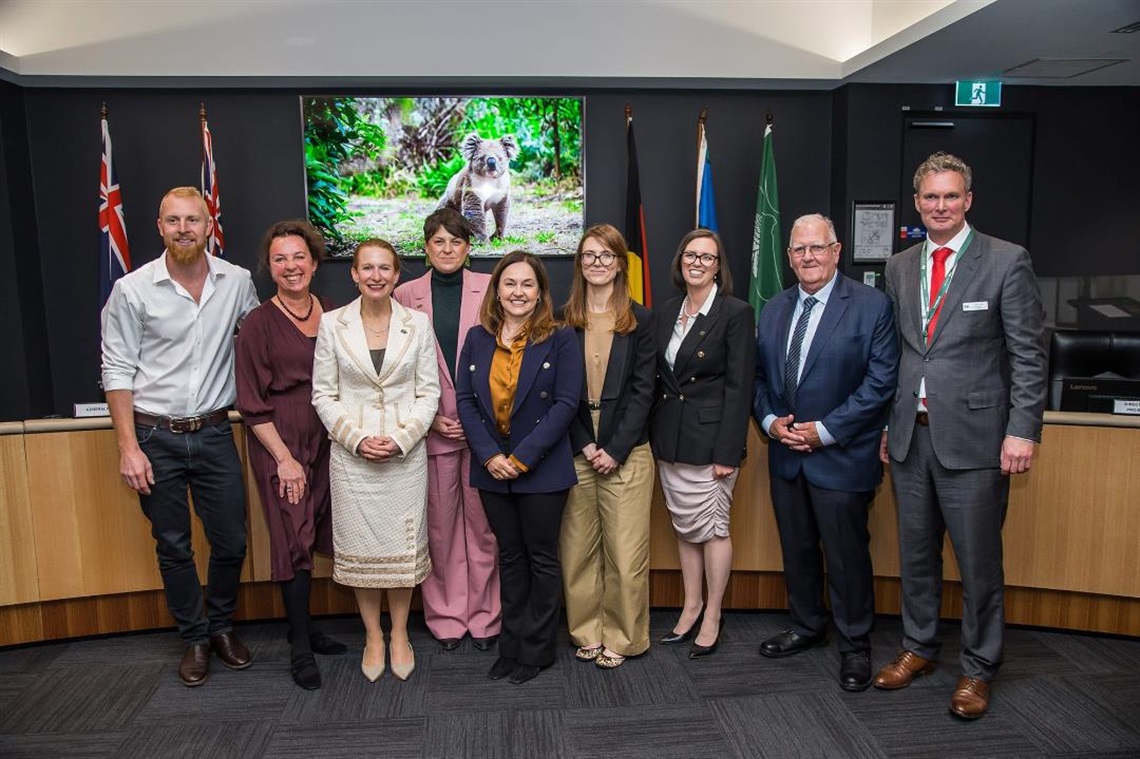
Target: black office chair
{"type": "Point", "coordinates": [1088, 354]}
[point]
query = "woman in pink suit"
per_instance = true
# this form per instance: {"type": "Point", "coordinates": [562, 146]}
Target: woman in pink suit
{"type": "Point", "coordinates": [461, 595]}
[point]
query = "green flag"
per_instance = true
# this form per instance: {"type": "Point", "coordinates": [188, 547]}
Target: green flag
{"type": "Point", "coordinates": [767, 257]}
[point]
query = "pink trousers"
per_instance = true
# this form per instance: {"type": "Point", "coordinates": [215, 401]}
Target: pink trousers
{"type": "Point", "coordinates": [461, 595]}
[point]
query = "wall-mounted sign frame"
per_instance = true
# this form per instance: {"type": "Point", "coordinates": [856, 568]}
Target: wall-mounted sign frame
{"type": "Point", "coordinates": [872, 231]}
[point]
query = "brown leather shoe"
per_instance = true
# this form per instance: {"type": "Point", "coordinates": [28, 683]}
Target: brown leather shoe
{"type": "Point", "coordinates": [230, 650]}
{"type": "Point", "coordinates": [899, 673]}
{"type": "Point", "coordinates": [194, 668]}
{"type": "Point", "coordinates": [971, 698]}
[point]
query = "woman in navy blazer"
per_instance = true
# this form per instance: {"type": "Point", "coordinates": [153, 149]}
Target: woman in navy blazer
{"type": "Point", "coordinates": [517, 387]}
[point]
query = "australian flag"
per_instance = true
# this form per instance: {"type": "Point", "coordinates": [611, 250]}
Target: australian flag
{"type": "Point", "coordinates": [217, 244]}
{"type": "Point", "coordinates": [115, 260]}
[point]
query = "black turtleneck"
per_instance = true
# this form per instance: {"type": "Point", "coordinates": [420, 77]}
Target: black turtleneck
{"type": "Point", "coordinates": [446, 297]}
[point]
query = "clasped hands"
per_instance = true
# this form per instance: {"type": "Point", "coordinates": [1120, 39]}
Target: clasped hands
{"type": "Point", "coordinates": [501, 468]}
{"type": "Point", "coordinates": [799, 436]}
{"type": "Point", "coordinates": [378, 448]}
{"type": "Point", "coordinates": [602, 462]}
{"type": "Point", "coordinates": [448, 427]}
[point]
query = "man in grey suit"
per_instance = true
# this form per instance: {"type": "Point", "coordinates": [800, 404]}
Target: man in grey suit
{"type": "Point", "coordinates": [967, 414]}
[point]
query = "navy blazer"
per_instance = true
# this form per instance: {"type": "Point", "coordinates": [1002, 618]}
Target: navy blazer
{"type": "Point", "coordinates": [627, 392]}
{"type": "Point", "coordinates": [701, 413]}
{"type": "Point", "coordinates": [546, 399]}
{"type": "Point", "coordinates": [847, 383]}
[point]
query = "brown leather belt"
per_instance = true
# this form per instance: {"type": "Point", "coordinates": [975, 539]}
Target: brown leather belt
{"type": "Point", "coordinates": [181, 424]}
{"type": "Point", "coordinates": [922, 418]}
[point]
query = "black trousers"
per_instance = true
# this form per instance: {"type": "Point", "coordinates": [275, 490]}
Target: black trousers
{"type": "Point", "coordinates": [205, 462]}
{"type": "Point", "coordinates": [527, 526]}
{"type": "Point", "coordinates": [808, 516]}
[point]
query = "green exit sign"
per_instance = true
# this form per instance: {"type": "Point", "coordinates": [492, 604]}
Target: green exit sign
{"type": "Point", "coordinates": [986, 93]}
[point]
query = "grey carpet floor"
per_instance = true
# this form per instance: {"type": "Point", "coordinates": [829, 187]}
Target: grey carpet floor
{"type": "Point", "coordinates": [1059, 695]}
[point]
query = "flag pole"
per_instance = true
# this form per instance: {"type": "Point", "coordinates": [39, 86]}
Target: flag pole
{"type": "Point", "coordinates": [700, 165]}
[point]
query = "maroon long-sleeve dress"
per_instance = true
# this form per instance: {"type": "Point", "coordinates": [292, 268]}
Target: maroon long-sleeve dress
{"type": "Point", "coordinates": [274, 384]}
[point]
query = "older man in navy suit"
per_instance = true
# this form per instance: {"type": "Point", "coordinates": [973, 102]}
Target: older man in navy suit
{"type": "Point", "coordinates": [826, 365]}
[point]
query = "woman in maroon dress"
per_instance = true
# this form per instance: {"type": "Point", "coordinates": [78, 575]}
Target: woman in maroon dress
{"type": "Point", "coordinates": [289, 450]}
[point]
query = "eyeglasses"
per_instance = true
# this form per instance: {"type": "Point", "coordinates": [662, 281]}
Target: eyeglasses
{"type": "Point", "coordinates": [605, 258]}
{"type": "Point", "coordinates": [706, 259]}
{"type": "Point", "coordinates": [816, 250]}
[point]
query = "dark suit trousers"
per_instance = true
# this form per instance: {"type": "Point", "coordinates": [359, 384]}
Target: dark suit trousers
{"type": "Point", "coordinates": [527, 526]}
{"type": "Point", "coordinates": [970, 504]}
{"type": "Point", "coordinates": [806, 516]}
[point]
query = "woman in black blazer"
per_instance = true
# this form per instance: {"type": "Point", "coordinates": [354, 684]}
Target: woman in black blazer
{"type": "Point", "coordinates": [605, 527]}
{"type": "Point", "coordinates": [698, 428]}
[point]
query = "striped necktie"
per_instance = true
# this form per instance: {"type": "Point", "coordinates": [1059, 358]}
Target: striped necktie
{"type": "Point", "coordinates": [792, 365]}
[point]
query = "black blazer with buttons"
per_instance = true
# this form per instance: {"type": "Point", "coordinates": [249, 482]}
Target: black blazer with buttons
{"type": "Point", "coordinates": [704, 402]}
{"type": "Point", "coordinates": [627, 392]}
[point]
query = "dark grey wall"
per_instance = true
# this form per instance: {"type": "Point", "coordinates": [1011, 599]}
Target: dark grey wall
{"type": "Point", "coordinates": [831, 148]}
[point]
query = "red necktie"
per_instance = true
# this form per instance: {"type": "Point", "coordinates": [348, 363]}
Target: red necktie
{"type": "Point", "coordinates": [937, 277]}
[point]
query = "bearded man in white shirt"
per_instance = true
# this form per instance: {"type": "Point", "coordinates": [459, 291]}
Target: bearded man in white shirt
{"type": "Point", "coordinates": [168, 373]}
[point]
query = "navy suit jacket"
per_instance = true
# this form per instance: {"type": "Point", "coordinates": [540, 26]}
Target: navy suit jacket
{"type": "Point", "coordinates": [847, 383]}
{"type": "Point", "coordinates": [546, 399]}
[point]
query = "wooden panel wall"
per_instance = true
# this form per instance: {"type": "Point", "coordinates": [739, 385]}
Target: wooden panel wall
{"type": "Point", "coordinates": [19, 578]}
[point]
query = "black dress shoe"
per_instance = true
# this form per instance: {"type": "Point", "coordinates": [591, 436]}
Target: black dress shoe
{"type": "Point", "coordinates": [855, 671]}
{"type": "Point", "coordinates": [502, 667]}
{"type": "Point", "coordinates": [485, 644]}
{"type": "Point", "coordinates": [680, 639]}
{"type": "Point", "coordinates": [303, 667]}
{"type": "Point", "coordinates": [698, 651]}
{"type": "Point", "coordinates": [522, 673]}
{"type": "Point", "coordinates": [230, 650]}
{"type": "Point", "coordinates": [194, 669]}
{"type": "Point", "coordinates": [450, 644]}
{"type": "Point", "coordinates": [788, 643]}
{"type": "Point", "coordinates": [326, 646]}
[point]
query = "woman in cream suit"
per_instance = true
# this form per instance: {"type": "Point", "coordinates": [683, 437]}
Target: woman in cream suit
{"type": "Point", "coordinates": [376, 388]}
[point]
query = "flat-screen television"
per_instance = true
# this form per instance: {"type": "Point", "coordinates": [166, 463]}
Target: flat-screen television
{"type": "Point", "coordinates": [377, 166]}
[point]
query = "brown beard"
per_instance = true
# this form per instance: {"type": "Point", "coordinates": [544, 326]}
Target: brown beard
{"type": "Point", "coordinates": [186, 256]}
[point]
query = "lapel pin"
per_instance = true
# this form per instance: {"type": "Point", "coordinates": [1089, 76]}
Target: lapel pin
{"type": "Point", "coordinates": [545, 364]}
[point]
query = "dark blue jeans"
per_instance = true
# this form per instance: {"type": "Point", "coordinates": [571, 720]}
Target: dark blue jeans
{"type": "Point", "coordinates": [205, 462]}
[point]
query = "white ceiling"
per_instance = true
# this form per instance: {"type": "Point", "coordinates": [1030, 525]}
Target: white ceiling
{"type": "Point", "coordinates": [798, 43]}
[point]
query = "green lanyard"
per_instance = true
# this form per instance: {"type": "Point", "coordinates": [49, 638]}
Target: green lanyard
{"type": "Point", "coordinates": [941, 294]}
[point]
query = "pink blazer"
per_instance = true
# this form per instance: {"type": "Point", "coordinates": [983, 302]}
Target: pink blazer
{"type": "Point", "coordinates": [416, 294]}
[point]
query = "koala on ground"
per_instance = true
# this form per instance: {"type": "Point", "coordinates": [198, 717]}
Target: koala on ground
{"type": "Point", "coordinates": [483, 184]}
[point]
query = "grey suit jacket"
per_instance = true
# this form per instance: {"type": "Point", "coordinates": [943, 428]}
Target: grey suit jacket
{"type": "Point", "coordinates": [985, 368]}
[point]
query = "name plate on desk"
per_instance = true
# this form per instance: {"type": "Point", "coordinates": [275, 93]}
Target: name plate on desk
{"type": "Point", "coordinates": [1126, 407]}
{"type": "Point", "coordinates": [84, 410]}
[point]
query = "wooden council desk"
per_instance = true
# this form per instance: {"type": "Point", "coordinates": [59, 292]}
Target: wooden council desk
{"type": "Point", "coordinates": [77, 558]}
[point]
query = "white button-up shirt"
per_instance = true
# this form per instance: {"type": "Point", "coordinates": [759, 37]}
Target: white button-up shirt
{"type": "Point", "coordinates": [176, 355]}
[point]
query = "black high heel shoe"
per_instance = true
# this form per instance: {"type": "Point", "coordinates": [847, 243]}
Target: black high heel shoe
{"type": "Point", "coordinates": [679, 639]}
{"type": "Point", "coordinates": [698, 651]}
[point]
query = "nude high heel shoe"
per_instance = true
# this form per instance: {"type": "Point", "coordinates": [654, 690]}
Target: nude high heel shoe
{"type": "Point", "coordinates": [373, 671]}
{"type": "Point", "coordinates": [404, 671]}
